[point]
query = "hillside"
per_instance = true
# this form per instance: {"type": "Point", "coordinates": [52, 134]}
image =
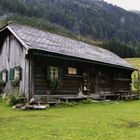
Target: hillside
{"type": "Point", "coordinates": [94, 19]}
{"type": "Point", "coordinates": [135, 11]}
{"type": "Point", "coordinates": [134, 61]}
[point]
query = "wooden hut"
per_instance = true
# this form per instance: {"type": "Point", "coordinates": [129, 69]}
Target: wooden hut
{"type": "Point", "coordinates": [47, 64]}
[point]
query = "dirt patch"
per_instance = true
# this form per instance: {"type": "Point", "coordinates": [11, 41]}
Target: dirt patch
{"type": "Point", "coordinates": [132, 124]}
{"type": "Point", "coordinates": [127, 124]}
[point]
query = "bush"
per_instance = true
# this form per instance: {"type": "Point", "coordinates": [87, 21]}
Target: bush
{"type": "Point", "coordinates": [0, 99]}
{"type": "Point", "coordinates": [2, 85]}
{"type": "Point", "coordinates": [87, 101]}
{"type": "Point", "coordinates": [14, 98]}
{"type": "Point", "coordinates": [15, 83]}
{"type": "Point", "coordinates": [54, 85]}
{"type": "Point", "coordinates": [68, 104]}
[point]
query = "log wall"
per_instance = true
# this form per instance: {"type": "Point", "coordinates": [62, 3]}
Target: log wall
{"type": "Point", "coordinates": [101, 79]}
{"type": "Point", "coordinates": [70, 84]}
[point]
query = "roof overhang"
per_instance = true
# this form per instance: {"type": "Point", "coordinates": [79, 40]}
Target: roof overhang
{"type": "Point", "coordinates": [18, 38]}
{"type": "Point", "coordinates": [21, 41]}
{"type": "Point", "coordinates": [65, 57]}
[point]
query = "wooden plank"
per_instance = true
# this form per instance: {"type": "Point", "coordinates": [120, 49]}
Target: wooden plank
{"type": "Point", "coordinates": [12, 55]}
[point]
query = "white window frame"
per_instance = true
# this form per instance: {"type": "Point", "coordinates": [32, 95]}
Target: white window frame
{"type": "Point", "coordinates": [54, 72]}
{"type": "Point", "coordinates": [17, 73]}
{"type": "Point", "coordinates": [4, 75]}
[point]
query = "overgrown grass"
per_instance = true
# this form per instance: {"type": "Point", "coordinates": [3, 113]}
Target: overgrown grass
{"type": "Point", "coordinates": [96, 121]}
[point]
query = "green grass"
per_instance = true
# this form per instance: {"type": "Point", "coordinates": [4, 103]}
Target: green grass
{"type": "Point", "coordinates": [97, 121]}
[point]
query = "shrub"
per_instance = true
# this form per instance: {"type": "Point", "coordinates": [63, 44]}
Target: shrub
{"type": "Point", "coordinates": [2, 85]}
{"type": "Point", "coordinates": [87, 101]}
{"type": "Point", "coordinates": [136, 82]}
{"type": "Point", "coordinates": [14, 98]}
{"type": "Point", "coordinates": [54, 85]}
{"type": "Point", "coordinates": [0, 98]}
{"type": "Point", "coordinates": [68, 104]}
{"type": "Point", "coordinates": [15, 83]}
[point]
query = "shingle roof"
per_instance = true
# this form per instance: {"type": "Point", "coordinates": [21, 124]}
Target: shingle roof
{"type": "Point", "coordinates": [42, 40]}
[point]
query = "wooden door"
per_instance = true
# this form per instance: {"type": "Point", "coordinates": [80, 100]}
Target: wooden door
{"type": "Point", "coordinates": [92, 82]}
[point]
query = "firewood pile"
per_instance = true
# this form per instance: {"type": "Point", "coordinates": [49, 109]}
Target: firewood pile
{"type": "Point", "coordinates": [32, 105]}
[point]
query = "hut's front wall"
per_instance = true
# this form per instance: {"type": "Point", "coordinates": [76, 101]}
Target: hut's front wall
{"type": "Point", "coordinates": [12, 54]}
{"type": "Point", "coordinates": [90, 78]}
{"type": "Point", "coordinates": [69, 84]}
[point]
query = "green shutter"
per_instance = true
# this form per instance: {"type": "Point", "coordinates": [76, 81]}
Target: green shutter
{"type": "Point", "coordinates": [0, 75]}
{"type": "Point", "coordinates": [48, 73]}
{"type": "Point", "coordinates": [11, 74]}
{"type": "Point", "coordinates": [6, 75]}
{"type": "Point", "coordinates": [20, 73]}
{"type": "Point", "coordinates": [60, 73]}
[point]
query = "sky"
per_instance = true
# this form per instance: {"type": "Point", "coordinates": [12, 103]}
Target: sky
{"type": "Point", "coordinates": [126, 4]}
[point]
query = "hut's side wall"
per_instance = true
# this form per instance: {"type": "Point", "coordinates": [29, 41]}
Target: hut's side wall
{"type": "Point", "coordinates": [13, 54]}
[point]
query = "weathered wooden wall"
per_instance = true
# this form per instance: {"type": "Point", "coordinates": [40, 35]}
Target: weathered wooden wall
{"type": "Point", "coordinates": [13, 54]}
{"type": "Point", "coordinates": [102, 79]}
{"type": "Point", "coordinates": [69, 84]}
{"type": "Point", "coordinates": [122, 80]}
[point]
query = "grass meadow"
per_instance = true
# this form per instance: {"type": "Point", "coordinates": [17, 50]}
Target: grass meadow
{"type": "Point", "coordinates": [96, 121]}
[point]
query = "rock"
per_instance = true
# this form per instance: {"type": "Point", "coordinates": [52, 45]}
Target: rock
{"type": "Point", "coordinates": [80, 94]}
{"type": "Point", "coordinates": [4, 96]}
{"type": "Point", "coordinates": [33, 101]}
{"type": "Point", "coordinates": [18, 106]}
{"type": "Point", "coordinates": [30, 107]}
{"type": "Point", "coordinates": [95, 101]}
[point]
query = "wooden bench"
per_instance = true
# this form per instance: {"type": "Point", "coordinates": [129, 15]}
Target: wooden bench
{"type": "Point", "coordinates": [125, 95]}
{"type": "Point", "coordinates": [72, 98]}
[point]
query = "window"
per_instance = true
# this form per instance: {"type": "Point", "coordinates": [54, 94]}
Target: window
{"type": "Point", "coordinates": [72, 70]}
{"type": "Point", "coordinates": [53, 73]}
{"type": "Point", "coordinates": [15, 73]}
{"type": "Point", "coordinates": [121, 75]}
{"type": "Point", "coordinates": [103, 77]}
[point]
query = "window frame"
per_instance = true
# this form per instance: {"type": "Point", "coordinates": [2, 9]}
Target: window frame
{"type": "Point", "coordinates": [53, 72]}
{"type": "Point", "coordinates": [13, 74]}
{"type": "Point", "coordinates": [60, 73]}
{"type": "Point", "coordinates": [4, 75]}
{"type": "Point", "coordinates": [72, 71]}
{"type": "Point", "coordinates": [17, 73]}
{"type": "Point", "coordinates": [103, 77]}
